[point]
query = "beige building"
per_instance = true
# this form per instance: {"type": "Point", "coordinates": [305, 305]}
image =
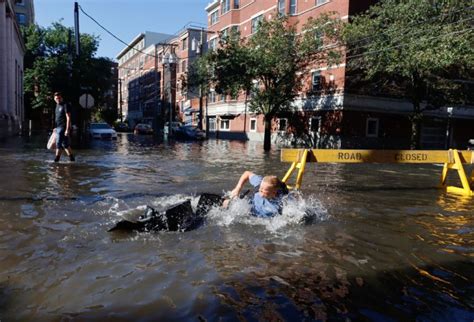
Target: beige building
{"type": "Point", "coordinates": [12, 51]}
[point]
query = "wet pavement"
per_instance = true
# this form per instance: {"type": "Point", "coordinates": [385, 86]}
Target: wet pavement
{"type": "Point", "coordinates": [386, 245]}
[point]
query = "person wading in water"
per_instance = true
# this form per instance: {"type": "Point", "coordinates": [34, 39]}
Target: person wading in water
{"type": "Point", "coordinates": [63, 127]}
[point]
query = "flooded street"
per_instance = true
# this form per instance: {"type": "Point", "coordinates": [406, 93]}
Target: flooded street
{"type": "Point", "coordinates": [386, 245]}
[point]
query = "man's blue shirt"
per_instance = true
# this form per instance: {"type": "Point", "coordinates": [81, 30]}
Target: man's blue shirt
{"type": "Point", "coordinates": [263, 207]}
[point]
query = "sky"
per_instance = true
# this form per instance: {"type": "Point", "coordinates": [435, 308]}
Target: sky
{"type": "Point", "coordinates": [124, 18]}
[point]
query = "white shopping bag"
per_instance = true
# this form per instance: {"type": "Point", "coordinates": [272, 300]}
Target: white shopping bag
{"type": "Point", "coordinates": [52, 141]}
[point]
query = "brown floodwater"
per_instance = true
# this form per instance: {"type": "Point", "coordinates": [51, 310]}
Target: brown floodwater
{"type": "Point", "coordinates": [385, 244]}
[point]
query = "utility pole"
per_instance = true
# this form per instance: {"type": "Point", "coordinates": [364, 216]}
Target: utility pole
{"type": "Point", "coordinates": [120, 99]}
{"type": "Point", "coordinates": [77, 37]}
{"type": "Point", "coordinates": [76, 29]}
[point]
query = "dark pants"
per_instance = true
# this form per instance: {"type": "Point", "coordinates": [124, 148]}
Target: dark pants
{"type": "Point", "coordinates": [62, 141]}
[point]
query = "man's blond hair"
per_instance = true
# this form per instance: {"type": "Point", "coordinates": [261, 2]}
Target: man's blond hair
{"type": "Point", "coordinates": [272, 181]}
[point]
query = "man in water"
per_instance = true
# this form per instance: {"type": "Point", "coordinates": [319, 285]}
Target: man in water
{"type": "Point", "coordinates": [63, 127]}
{"type": "Point", "coordinates": [267, 202]}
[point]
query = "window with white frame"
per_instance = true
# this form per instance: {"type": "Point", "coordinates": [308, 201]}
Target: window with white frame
{"type": "Point", "coordinates": [225, 6]}
{"type": "Point", "coordinates": [314, 124]}
{"type": "Point", "coordinates": [292, 7]}
{"type": "Point", "coordinates": [224, 33]}
{"type": "Point", "coordinates": [212, 44]}
{"type": "Point", "coordinates": [212, 97]}
{"type": "Point", "coordinates": [316, 81]}
{"type": "Point", "coordinates": [253, 125]}
{"type": "Point", "coordinates": [320, 2]}
{"type": "Point", "coordinates": [281, 7]}
{"type": "Point", "coordinates": [255, 23]}
{"type": "Point", "coordinates": [319, 37]}
{"type": "Point", "coordinates": [214, 17]}
{"type": "Point", "coordinates": [224, 125]}
{"type": "Point", "coordinates": [212, 124]}
{"type": "Point", "coordinates": [372, 127]}
{"type": "Point", "coordinates": [282, 124]}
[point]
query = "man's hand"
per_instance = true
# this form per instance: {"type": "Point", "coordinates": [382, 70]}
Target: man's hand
{"type": "Point", "coordinates": [235, 193]}
{"type": "Point", "coordinates": [66, 133]}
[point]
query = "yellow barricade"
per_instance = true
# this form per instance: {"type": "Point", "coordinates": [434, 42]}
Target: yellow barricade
{"type": "Point", "coordinates": [452, 159]}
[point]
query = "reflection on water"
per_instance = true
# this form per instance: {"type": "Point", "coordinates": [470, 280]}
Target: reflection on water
{"type": "Point", "coordinates": [385, 245]}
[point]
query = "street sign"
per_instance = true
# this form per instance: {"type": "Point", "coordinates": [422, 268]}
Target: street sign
{"type": "Point", "coordinates": [86, 101]}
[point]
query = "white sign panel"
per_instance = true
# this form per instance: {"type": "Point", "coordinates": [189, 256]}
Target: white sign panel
{"type": "Point", "coordinates": [86, 101]}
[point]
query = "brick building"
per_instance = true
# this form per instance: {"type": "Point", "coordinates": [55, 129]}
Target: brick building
{"type": "Point", "coordinates": [138, 78]}
{"type": "Point", "coordinates": [340, 118]}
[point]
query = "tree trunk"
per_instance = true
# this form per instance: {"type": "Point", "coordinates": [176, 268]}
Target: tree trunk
{"type": "Point", "coordinates": [417, 90]}
{"type": "Point", "coordinates": [267, 136]}
{"type": "Point", "coordinates": [415, 119]}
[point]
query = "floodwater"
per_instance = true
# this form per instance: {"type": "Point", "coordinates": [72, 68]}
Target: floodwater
{"type": "Point", "coordinates": [386, 244]}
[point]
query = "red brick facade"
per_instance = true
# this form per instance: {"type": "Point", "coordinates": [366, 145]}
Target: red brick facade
{"type": "Point", "coordinates": [334, 119]}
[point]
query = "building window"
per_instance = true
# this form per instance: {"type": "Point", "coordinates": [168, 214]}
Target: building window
{"type": "Point", "coordinates": [213, 44]}
{"type": "Point", "coordinates": [234, 30]}
{"type": "Point", "coordinates": [212, 97]}
{"type": "Point", "coordinates": [184, 43]}
{"type": "Point", "coordinates": [253, 125]}
{"type": "Point", "coordinates": [320, 2]}
{"type": "Point", "coordinates": [183, 66]}
{"type": "Point", "coordinates": [20, 3]}
{"type": "Point", "coordinates": [255, 23]}
{"type": "Point", "coordinates": [316, 81]}
{"type": "Point", "coordinates": [214, 17]}
{"type": "Point", "coordinates": [225, 6]}
{"type": "Point", "coordinates": [314, 124]}
{"type": "Point", "coordinates": [21, 18]}
{"type": "Point", "coordinates": [281, 7]}
{"type": "Point", "coordinates": [236, 4]}
{"type": "Point", "coordinates": [222, 97]}
{"type": "Point", "coordinates": [224, 125]}
{"type": "Point", "coordinates": [212, 124]}
{"type": "Point", "coordinates": [292, 7]}
{"type": "Point", "coordinates": [224, 34]}
{"type": "Point", "coordinates": [372, 127]}
{"type": "Point", "coordinates": [282, 125]}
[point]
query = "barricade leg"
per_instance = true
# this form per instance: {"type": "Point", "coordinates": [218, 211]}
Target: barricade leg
{"type": "Point", "coordinates": [456, 164]}
{"type": "Point", "coordinates": [300, 164]}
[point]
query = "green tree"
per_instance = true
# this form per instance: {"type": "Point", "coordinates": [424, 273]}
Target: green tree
{"type": "Point", "coordinates": [272, 62]}
{"type": "Point", "coordinates": [50, 66]}
{"type": "Point", "coordinates": [416, 49]}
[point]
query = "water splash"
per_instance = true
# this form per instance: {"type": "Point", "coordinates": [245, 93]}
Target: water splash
{"type": "Point", "coordinates": [297, 210]}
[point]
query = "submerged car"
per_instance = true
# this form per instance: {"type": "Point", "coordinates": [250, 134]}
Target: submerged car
{"type": "Point", "coordinates": [174, 127]}
{"type": "Point", "coordinates": [470, 144]}
{"type": "Point", "coordinates": [190, 132]}
{"type": "Point", "coordinates": [122, 127]}
{"type": "Point", "coordinates": [143, 128]}
{"type": "Point", "coordinates": [102, 131]}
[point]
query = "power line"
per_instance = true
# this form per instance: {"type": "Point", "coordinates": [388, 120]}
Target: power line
{"type": "Point", "coordinates": [404, 33]}
{"type": "Point", "coordinates": [418, 23]}
{"type": "Point", "coordinates": [113, 35]}
{"type": "Point", "coordinates": [188, 25]}
{"type": "Point", "coordinates": [406, 44]}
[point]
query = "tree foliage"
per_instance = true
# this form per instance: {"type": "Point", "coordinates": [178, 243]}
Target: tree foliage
{"type": "Point", "coordinates": [50, 66]}
{"type": "Point", "coordinates": [418, 49]}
